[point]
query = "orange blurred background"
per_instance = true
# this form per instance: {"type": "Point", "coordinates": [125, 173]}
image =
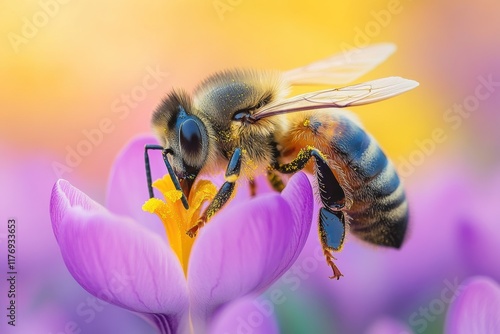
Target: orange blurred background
{"type": "Point", "coordinates": [79, 58]}
{"type": "Point", "coordinates": [65, 65]}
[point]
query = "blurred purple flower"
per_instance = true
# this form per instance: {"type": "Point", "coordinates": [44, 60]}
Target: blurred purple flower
{"type": "Point", "coordinates": [240, 317]}
{"type": "Point", "coordinates": [476, 309]}
{"type": "Point", "coordinates": [47, 298]}
{"type": "Point", "coordinates": [243, 250]}
{"type": "Point", "coordinates": [388, 326]}
{"type": "Point", "coordinates": [478, 230]}
{"type": "Point", "coordinates": [453, 235]}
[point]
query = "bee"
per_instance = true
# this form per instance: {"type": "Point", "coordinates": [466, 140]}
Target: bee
{"type": "Point", "coordinates": [242, 121]}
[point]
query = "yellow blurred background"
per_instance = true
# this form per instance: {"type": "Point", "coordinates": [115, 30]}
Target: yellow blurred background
{"type": "Point", "coordinates": [67, 65]}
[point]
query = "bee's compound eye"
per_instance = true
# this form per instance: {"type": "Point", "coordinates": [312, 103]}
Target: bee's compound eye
{"type": "Point", "coordinates": [190, 137]}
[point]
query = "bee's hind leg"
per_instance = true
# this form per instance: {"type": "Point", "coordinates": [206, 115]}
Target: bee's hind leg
{"type": "Point", "coordinates": [331, 233]}
{"type": "Point", "coordinates": [331, 218]}
{"type": "Point", "coordinates": [223, 195]}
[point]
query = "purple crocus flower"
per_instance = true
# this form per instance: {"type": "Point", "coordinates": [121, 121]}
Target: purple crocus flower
{"type": "Point", "coordinates": [47, 299]}
{"type": "Point", "coordinates": [243, 250]}
{"type": "Point", "coordinates": [476, 309]}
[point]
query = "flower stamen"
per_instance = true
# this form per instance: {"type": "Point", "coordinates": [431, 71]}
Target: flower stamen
{"type": "Point", "coordinates": [175, 218]}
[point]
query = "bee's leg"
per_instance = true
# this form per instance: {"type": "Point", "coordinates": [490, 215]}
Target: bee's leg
{"type": "Point", "coordinates": [331, 193]}
{"type": "Point", "coordinates": [275, 181]}
{"type": "Point", "coordinates": [332, 233]}
{"type": "Point", "coordinates": [226, 190]}
{"type": "Point", "coordinates": [331, 218]}
{"type": "Point", "coordinates": [253, 187]}
{"type": "Point", "coordinates": [169, 169]}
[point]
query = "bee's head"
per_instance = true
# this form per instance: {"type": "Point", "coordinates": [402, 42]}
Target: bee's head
{"type": "Point", "coordinates": [182, 134]}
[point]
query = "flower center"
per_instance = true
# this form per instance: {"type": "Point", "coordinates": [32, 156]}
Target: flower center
{"type": "Point", "coordinates": [175, 218]}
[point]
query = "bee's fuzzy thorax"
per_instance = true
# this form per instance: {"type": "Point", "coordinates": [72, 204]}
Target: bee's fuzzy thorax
{"type": "Point", "coordinates": [222, 95]}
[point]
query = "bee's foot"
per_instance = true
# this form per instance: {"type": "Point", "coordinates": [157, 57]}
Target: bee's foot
{"type": "Point", "coordinates": [336, 272]}
{"type": "Point", "coordinates": [193, 231]}
{"type": "Point", "coordinates": [329, 259]}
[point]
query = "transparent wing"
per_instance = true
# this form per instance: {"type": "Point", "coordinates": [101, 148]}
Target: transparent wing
{"type": "Point", "coordinates": [364, 93]}
{"type": "Point", "coordinates": [341, 68]}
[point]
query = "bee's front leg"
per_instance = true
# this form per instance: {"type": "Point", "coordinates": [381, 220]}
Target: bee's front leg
{"type": "Point", "coordinates": [223, 195]}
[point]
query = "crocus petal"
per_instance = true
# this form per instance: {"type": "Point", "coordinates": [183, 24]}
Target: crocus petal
{"type": "Point", "coordinates": [247, 247]}
{"type": "Point", "coordinates": [476, 309]}
{"type": "Point", "coordinates": [388, 326]}
{"type": "Point", "coordinates": [262, 186]}
{"type": "Point", "coordinates": [299, 195]}
{"type": "Point", "coordinates": [127, 187]}
{"type": "Point", "coordinates": [114, 258]}
{"type": "Point", "coordinates": [242, 316]}
{"type": "Point", "coordinates": [64, 196]}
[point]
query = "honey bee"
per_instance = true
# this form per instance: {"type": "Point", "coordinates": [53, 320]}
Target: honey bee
{"type": "Point", "coordinates": [242, 121]}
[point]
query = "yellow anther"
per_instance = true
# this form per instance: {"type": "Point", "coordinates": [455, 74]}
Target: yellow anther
{"type": "Point", "coordinates": [175, 218]}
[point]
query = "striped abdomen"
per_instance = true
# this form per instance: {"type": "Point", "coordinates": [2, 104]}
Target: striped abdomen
{"type": "Point", "coordinates": [378, 211]}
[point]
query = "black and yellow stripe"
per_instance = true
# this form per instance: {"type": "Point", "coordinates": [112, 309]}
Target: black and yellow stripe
{"type": "Point", "coordinates": [379, 211]}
